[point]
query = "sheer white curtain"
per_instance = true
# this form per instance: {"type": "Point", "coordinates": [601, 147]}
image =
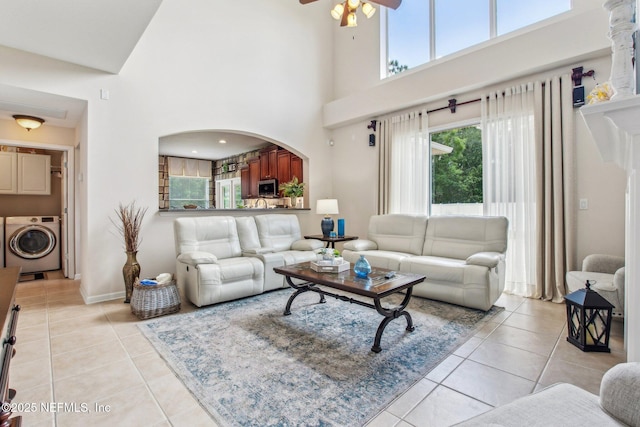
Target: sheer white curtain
{"type": "Point", "coordinates": [509, 152]}
{"type": "Point", "coordinates": [405, 164]}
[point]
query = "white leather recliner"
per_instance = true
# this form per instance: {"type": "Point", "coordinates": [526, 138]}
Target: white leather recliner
{"type": "Point", "coordinates": [210, 267]}
{"type": "Point", "coordinates": [277, 241]}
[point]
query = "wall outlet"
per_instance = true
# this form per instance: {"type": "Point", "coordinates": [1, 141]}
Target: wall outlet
{"type": "Point", "coordinates": [584, 204]}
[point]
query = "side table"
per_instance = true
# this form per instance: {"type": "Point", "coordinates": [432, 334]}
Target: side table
{"type": "Point", "coordinates": [331, 241]}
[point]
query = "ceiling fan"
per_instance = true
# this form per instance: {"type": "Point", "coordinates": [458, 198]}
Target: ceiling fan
{"type": "Point", "coordinates": [346, 11]}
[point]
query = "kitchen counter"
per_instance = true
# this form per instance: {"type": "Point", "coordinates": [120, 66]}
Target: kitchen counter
{"type": "Point", "coordinates": [232, 212]}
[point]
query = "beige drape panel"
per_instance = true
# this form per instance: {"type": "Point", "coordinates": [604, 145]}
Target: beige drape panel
{"type": "Point", "coordinates": [384, 162]}
{"type": "Point", "coordinates": [555, 186]}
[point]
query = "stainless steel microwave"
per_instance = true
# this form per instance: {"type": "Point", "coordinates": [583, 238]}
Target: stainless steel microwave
{"type": "Point", "coordinates": [268, 188]}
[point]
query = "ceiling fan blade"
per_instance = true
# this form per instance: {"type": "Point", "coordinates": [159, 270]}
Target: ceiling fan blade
{"type": "Point", "coordinates": [393, 4]}
{"type": "Point", "coordinates": [345, 14]}
{"type": "Point", "coordinates": [306, 1]}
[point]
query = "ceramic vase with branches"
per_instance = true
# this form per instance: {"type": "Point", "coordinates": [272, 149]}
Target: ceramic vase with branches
{"type": "Point", "coordinates": [129, 224]}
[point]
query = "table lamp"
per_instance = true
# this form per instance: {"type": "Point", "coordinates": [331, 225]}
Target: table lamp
{"type": "Point", "coordinates": [327, 207]}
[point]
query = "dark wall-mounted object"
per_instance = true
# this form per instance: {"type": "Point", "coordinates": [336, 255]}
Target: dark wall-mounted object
{"type": "Point", "coordinates": [578, 91]}
{"type": "Point", "coordinates": [372, 140]}
{"type": "Point", "coordinates": [372, 125]}
{"type": "Point", "coordinates": [452, 105]}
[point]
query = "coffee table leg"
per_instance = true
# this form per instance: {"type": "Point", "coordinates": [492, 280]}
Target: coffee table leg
{"type": "Point", "coordinates": [389, 315]}
{"type": "Point", "coordinates": [302, 288]}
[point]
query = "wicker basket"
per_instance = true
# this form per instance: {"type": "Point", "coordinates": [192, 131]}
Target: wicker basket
{"type": "Point", "coordinates": [154, 300]}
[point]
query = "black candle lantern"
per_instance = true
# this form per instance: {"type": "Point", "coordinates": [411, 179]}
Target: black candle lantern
{"type": "Point", "coordinates": [588, 320]}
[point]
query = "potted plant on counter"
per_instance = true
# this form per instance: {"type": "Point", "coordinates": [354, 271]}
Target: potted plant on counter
{"type": "Point", "coordinates": [292, 189]}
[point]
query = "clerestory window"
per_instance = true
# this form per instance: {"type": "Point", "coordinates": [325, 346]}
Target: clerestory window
{"type": "Point", "coordinates": [420, 31]}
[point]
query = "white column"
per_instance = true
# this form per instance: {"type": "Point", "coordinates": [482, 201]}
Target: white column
{"type": "Point", "coordinates": [615, 128]}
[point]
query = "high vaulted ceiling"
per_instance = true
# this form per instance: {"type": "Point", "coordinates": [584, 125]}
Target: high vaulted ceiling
{"type": "Point", "coordinates": [99, 34]}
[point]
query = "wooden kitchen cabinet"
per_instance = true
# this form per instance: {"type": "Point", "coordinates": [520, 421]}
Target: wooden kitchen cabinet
{"type": "Point", "coordinates": [296, 167]}
{"type": "Point", "coordinates": [249, 177]}
{"type": "Point", "coordinates": [284, 167]}
{"type": "Point", "coordinates": [268, 163]}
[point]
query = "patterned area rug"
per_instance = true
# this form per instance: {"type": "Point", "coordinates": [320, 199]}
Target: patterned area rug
{"type": "Point", "coordinates": [249, 365]}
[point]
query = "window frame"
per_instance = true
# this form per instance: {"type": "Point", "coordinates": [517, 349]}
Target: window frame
{"type": "Point", "coordinates": [493, 33]}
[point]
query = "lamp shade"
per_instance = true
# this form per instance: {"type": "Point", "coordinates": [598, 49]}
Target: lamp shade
{"type": "Point", "coordinates": [327, 206]}
{"type": "Point", "coordinates": [28, 122]}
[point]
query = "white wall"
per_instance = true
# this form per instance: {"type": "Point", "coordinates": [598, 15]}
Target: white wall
{"type": "Point", "coordinates": [552, 47]}
{"type": "Point", "coordinates": [270, 73]}
{"type": "Point", "coordinates": [267, 72]}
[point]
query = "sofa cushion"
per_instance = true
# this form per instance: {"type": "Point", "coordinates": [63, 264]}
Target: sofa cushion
{"type": "Point", "coordinates": [215, 234]}
{"type": "Point", "coordinates": [462, 236]}
{"type": "Point", "coordinates": [398, 233]}
{"type": "Point", "coordinates": [278, 231]}
{"type": "Point", "coordinates": [380, 259]}
{"type": "Point", "coordinates": [442, 270]}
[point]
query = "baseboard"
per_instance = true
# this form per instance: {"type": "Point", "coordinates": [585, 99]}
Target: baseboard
{"type": "Point", "coordinates": [101, 298]}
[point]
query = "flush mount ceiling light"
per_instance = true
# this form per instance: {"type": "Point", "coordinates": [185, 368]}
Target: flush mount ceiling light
{"type": "Point", "coordinates": [28, 122]}
{"type": "Point", "coordinates": [345, 12]}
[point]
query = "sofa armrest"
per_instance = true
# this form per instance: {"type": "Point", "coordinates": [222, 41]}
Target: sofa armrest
{"type": "Point", "coordinates": [620, 392]}
{"type": "Point", "coordinates": [360, 245]}
{"type": "Point", "coordinates": [485, 259]}
{"type": "Point", "coordinates": [196, 257]}
{"type": "Point", "coordinates": [600, 263]}
{"type": "Point", "coordinates": [618, 280]}
{"type": "Point", "coordinates": [257, 251]}
{"type": "Point", "coordinates": [307, 245]}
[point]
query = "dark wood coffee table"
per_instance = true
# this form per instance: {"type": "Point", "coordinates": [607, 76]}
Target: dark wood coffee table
{"type": "Point", "coordinates": [376, 286]}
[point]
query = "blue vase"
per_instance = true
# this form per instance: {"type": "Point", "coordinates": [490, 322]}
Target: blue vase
{"type": "Point", "coordinates": [362, 267]}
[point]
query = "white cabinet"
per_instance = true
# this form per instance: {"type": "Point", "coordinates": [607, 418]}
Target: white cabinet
{"type": "Point", "coordinates": [8, 173]}
{"type": "Point", "coordinates": [22, 173]}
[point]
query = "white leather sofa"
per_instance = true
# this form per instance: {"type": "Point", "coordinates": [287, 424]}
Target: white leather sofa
{"type": "Point", "coordinates": [221, 258]}
{"type": "Point", "coordinates": [462, 257]}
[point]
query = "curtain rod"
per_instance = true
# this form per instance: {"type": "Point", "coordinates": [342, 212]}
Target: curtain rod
{"type": "Point", "coordinates": [453, 103]}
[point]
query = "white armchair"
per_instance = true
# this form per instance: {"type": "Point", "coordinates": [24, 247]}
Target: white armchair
{"type": "Point", "coordinates": [606, 273]}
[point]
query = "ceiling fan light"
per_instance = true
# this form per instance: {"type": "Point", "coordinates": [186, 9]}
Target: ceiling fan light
{"type": "Point", "coordinates": [353, 4]}
{"type": "Point", "coordinates": [352, 20]}
{"type": "Point", "coordinates": [28, 122]}
{"type": "Point", "coordinates": [337, 11]}
{"type": "Point", "coordinates": [368, 10]}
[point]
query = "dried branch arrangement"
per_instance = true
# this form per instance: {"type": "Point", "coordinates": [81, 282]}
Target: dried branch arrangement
{"type": "Point", "coordinates": [130, 223]}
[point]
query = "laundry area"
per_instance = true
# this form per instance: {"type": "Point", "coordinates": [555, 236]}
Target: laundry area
{"type": "Point", "coordinates": [32, 205]}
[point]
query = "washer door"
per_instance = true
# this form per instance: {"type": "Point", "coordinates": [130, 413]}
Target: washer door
{"type": "Point", "coordinates": [32, 242]}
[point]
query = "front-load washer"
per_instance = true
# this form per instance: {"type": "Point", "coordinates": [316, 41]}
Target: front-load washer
{"type": "Point", "coordinates": [33, 243]}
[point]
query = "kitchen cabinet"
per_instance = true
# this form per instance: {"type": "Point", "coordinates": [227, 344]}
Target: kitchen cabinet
{"type": "Point", "coordinates": [249, 177]}
{"type": "Point", "coordinates": [289, 165]}
{"type": "Point", "coordinates": [296, 167]}
{"type": "Point", "coordinates": [23, 173]}
{"type": "Point", "coordinates": [268, 163]}
{"type": "Point", "coordinates": [284, 167]}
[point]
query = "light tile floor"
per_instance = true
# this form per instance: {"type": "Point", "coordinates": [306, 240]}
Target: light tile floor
{"type": "Point", "coordinates": [79, 365]}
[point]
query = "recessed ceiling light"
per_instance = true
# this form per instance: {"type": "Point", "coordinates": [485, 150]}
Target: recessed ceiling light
{"type": "Point", "coordinates": [194, 151]}
{"type": "Point", "coordinates": [223, 141]}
